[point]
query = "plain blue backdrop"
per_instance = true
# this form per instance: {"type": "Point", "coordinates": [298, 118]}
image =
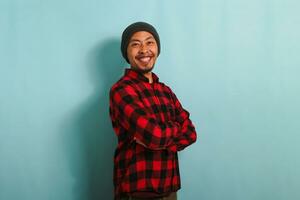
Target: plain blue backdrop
{"type": "Point", "coordinates": [233, 64]}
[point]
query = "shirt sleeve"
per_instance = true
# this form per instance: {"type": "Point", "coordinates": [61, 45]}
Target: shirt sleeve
{"type": "Point", "coordinates": [135, 119]}
{"type": "Point", "coordinates": [187, 134]}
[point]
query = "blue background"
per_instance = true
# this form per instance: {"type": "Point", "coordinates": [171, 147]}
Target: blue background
{"type": "Point", "coordinates": [233, 64]}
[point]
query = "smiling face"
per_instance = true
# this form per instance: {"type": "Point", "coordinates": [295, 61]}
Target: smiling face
{"type": "Point", "coordinates": [142, 51]}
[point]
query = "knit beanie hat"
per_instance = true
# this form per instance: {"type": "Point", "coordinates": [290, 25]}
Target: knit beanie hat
{"type": "Point", "coordinates": [133, 28]}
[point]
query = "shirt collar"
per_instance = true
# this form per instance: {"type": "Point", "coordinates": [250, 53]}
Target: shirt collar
{"type": "Point", "coordinates": [139, 76]}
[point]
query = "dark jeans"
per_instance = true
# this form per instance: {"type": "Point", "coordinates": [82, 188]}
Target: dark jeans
{"type": "Point", "coordinates": [172, 196]}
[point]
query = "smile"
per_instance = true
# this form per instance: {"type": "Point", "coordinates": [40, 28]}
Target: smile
{"type": "Point", "coordinates": [144, 59]}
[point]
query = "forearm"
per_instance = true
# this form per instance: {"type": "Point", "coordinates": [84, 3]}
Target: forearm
{"type": "Point", "coordinates": [157, 137]}
{"type": "Point", "coordinates": [186, 137]}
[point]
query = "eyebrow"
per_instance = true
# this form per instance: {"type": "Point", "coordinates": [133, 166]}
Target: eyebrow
{"type": "Point", "coordinates": [136, 40]}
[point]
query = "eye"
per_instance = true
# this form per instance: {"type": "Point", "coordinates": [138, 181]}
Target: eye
{"type": "Point", "coordinates": [150, 42]}
{"type": "Point", "coordinates": [134, 44]}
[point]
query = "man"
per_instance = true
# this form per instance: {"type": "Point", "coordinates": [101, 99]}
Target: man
{"type": "Point", "coordinates": [149, 121]}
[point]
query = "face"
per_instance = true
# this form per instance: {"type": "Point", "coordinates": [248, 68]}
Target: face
{"type": "Point", "coordinates": [142, 51]}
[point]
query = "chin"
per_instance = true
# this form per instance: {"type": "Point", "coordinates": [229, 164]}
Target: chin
{"type": "Point", "coordinates": [144, 69]}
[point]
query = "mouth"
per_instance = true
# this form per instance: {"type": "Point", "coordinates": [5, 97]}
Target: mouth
{"type": "Point", "coordinates": [144, 59]}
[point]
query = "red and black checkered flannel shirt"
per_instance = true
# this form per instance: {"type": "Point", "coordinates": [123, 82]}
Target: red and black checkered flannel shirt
{"type": "Point", "coordinates": [151, 127]}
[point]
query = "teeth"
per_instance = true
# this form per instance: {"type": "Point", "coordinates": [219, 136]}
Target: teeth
{"type": "Point", "coordinates": [145, 59]}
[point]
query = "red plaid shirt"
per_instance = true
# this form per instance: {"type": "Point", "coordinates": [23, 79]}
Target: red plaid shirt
{"type": "Point", "coordinates": [151, 127]}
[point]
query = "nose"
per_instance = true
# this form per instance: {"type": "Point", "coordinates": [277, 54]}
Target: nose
{"type": "Point", "coordinates": [143, 48]}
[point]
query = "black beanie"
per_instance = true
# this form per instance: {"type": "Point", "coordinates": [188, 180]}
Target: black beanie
{"type": "Point", "coordinates": [133, 28]}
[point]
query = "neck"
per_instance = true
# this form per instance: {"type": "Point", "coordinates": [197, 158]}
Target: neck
{"type": "Point", "coordinates": [149, 76]}
{"type": "Point", "coordinates": [146, 74]}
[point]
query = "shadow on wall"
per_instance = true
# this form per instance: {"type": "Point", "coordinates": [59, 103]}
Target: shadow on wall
{"type": "Point", "coordinates": [90, 137]}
